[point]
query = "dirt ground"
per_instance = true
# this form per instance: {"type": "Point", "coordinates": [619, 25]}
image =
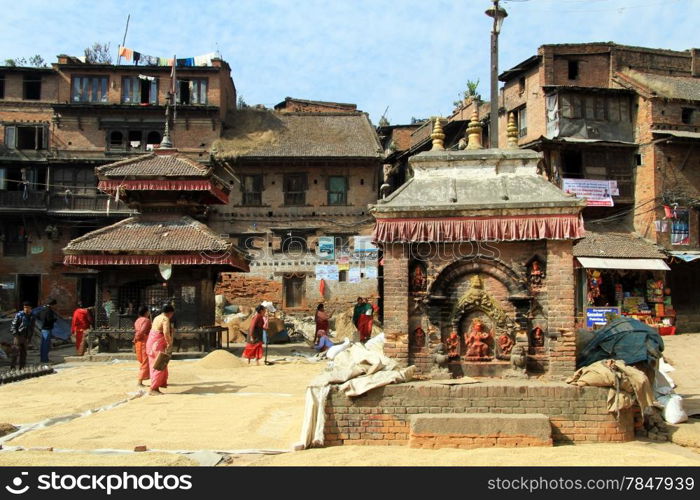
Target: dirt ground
{"type": "Point", "coordinates": [222, 404]}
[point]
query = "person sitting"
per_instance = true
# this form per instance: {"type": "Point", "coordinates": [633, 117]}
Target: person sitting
{"type": "Point", "coordinates": [324, 343]}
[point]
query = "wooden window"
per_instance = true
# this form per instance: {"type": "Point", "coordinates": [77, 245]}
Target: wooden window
{"type": "Point", "coordinates": [153, 139]}
{"type": "Point", "coordinates": [600, 105]}
{"type": "Point", "coordinates": [85, 182]}
{"type": "Point", "coordinates": [522, 122]}
{"type": "Point", "coordinates": [89, 89]}
{"type": "Point", "coordinates": [62, 179]}
{"type": "Point", "coordinates": [137, 90]}
{"type": "Point", "coordinates": [293, 291]}
{"type": "Point", "coordinates": [625, 109]}
{"type": "Point", "coordinates": [192, 91]}
{"type": "Point", "coordinates": [295, 186]}
{"type": "Point", "coordinates": [614, 109]}
{"type": "Point", "coordinates": [294, 242]}
{"type": "Point", "coordinates": [26, 137]}
{"type": "Point", "coordinates": [589, 109]}
{"type": "Point", "coordinates": [687, 115]}
{"type": "Point", "coordinates": [116, 139]}
{"type": "Point", "coordinates": [337, 190]}
{"type": "Point", "coordinates": [31, 87]}
{"type": "Point", "coordinates": [15, 240]}
{"type": "Point", "coordinates": [573, 70]}
{"type": "Point", "coordinates": [251, 188]}
{"type": "Point", "coordinates": [572, 164]}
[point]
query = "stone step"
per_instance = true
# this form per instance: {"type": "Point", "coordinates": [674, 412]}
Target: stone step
{"type": "Point", "coordinates": [480, 430]}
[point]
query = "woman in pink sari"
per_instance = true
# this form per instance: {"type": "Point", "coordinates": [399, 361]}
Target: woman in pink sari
{"type": "Point", "coordinates": [142, 327]}
{"type": "Point", "coordinates": [160, 340]}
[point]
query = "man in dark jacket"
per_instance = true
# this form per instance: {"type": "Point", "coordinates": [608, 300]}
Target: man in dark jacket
{"type": "Point", "coordinates": [48, 320]}
{"type": "Point", "coordinates": [21, 328]}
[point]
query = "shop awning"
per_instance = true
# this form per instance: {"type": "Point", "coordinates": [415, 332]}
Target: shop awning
{"type": "Point", "coordinates": [688, 256]}
{"type": "Point", "coordinates": [609, 263]}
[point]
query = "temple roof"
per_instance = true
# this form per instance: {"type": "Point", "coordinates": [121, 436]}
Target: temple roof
{"type": "Point", "coordinates": [154, 165]}
{"type": "Point", "coordinates": [157, 239]}
{"type": "Point", "coordinates": [265, 134]}
{"type": "Point", "coordinates": [450, 182]}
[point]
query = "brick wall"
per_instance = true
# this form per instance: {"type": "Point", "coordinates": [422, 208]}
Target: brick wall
{"type": "Point", "coordinates": [382, 416]}
{"type": "Point", "coordinates": [396, 303]}
{"type": "Point", "coordinates": [560, 289]}
{"type": "Point", "coordinates": [266, 282]}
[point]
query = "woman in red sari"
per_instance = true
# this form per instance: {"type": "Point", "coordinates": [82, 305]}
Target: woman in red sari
{"type": "Point", "coordinates": [82, 321]}
{"type": "Point", "coordinates": [365, 321]}
{"type": "Point", "coordinates": [142, 327]}
{"type": "Point", "coordinates": [254, 344]}
{"type": "Point", "coordinates": [321, 321]}
{"type": "Point", "coordinates": [160, 340]}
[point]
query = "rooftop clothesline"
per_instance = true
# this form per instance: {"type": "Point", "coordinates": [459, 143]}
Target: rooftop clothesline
{"type": "Point", "coordinates": [139, 58]}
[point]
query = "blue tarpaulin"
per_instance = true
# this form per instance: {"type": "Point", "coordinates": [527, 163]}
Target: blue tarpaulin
{"type": "Point", "coordinates": [624, 338]}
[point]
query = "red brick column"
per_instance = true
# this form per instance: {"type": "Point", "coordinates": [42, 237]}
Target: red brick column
{"type": "Point", "coordinates": [561, 313]}
{"type": "Point", "coordinates": [396, 302]}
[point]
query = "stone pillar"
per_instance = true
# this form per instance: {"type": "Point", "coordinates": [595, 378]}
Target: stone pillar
{"type": "Point", "coordinates": [396, 302]}
{"type": "Point", "coordinates": [561, 313]}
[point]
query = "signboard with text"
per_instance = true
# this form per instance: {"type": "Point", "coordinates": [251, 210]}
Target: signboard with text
{"type": "Point", "coordinates": [595, 316]}
{"type": "Point", "coordinates": [597, 193]}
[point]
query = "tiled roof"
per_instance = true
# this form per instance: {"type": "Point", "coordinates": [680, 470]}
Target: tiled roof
{"type": "Point", "coordinates": [164, 233]}
{"type": "Point", "coordinates": [615, 242]}
{"type": "Point", "coordinates": [263, 133]}
{"type": "Point", "coordinates": [669, 87]}
{"type": "Point", "coordinates": [154, 165]}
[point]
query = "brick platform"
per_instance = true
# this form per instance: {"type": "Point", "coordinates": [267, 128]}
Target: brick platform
{"type": "Point", "coordinates": [383, 416]}
{"type": "Point", "coordinates": [479, 430]}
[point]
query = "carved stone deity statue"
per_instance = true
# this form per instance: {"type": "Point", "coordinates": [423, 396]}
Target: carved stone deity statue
{"type": "Point", "coordinates": [452, 344]}
{"type": "Point", "coordinates": [418, 279]}
{"type": "Point", "coordinates": [506, 343]}
{"type": "Point", "coordinates": [476, 341]}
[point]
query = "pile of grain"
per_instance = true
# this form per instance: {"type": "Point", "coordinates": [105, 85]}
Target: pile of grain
{"type": "Point", "coordinates": [220, 360]}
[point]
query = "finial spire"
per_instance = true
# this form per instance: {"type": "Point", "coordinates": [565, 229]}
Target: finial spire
{"type": "Point", "coordinates": [474, 132]}
{"type": "Point", "coordinates": [166, 142]}
{"type": "Point", "coordinates": [438, 136]}
{"type": "Point", "coordinates": [512, 132]}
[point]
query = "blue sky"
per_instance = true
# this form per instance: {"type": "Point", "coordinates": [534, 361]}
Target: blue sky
{"type": "Point", "coordinates": [413, 56]}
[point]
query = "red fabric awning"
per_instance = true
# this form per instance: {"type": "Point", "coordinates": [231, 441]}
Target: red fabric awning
{"type": "Point", "coordinates": [195, 259]}
{"type": "Point", "coordinates": [456, 229]}
{"type": "Point", "coordinates": [110, 186]}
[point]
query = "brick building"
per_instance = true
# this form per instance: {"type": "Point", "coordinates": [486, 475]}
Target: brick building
{"type": "Point", "coordinates": [306, 173]}
{"type": "Point", "coordinates": [603, 112]}
{"type": "Point", "coordinates": [57, 125]}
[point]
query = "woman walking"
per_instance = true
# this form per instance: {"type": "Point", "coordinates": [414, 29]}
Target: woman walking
{"type": "Point", "coordinates": [160, 340]}
{"type": "Point", "coordinates": [254, 342]}
{"type": "Point", "coordinates": [321, 321]}
{"type": "Point", "coordinates": [142, 327]}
